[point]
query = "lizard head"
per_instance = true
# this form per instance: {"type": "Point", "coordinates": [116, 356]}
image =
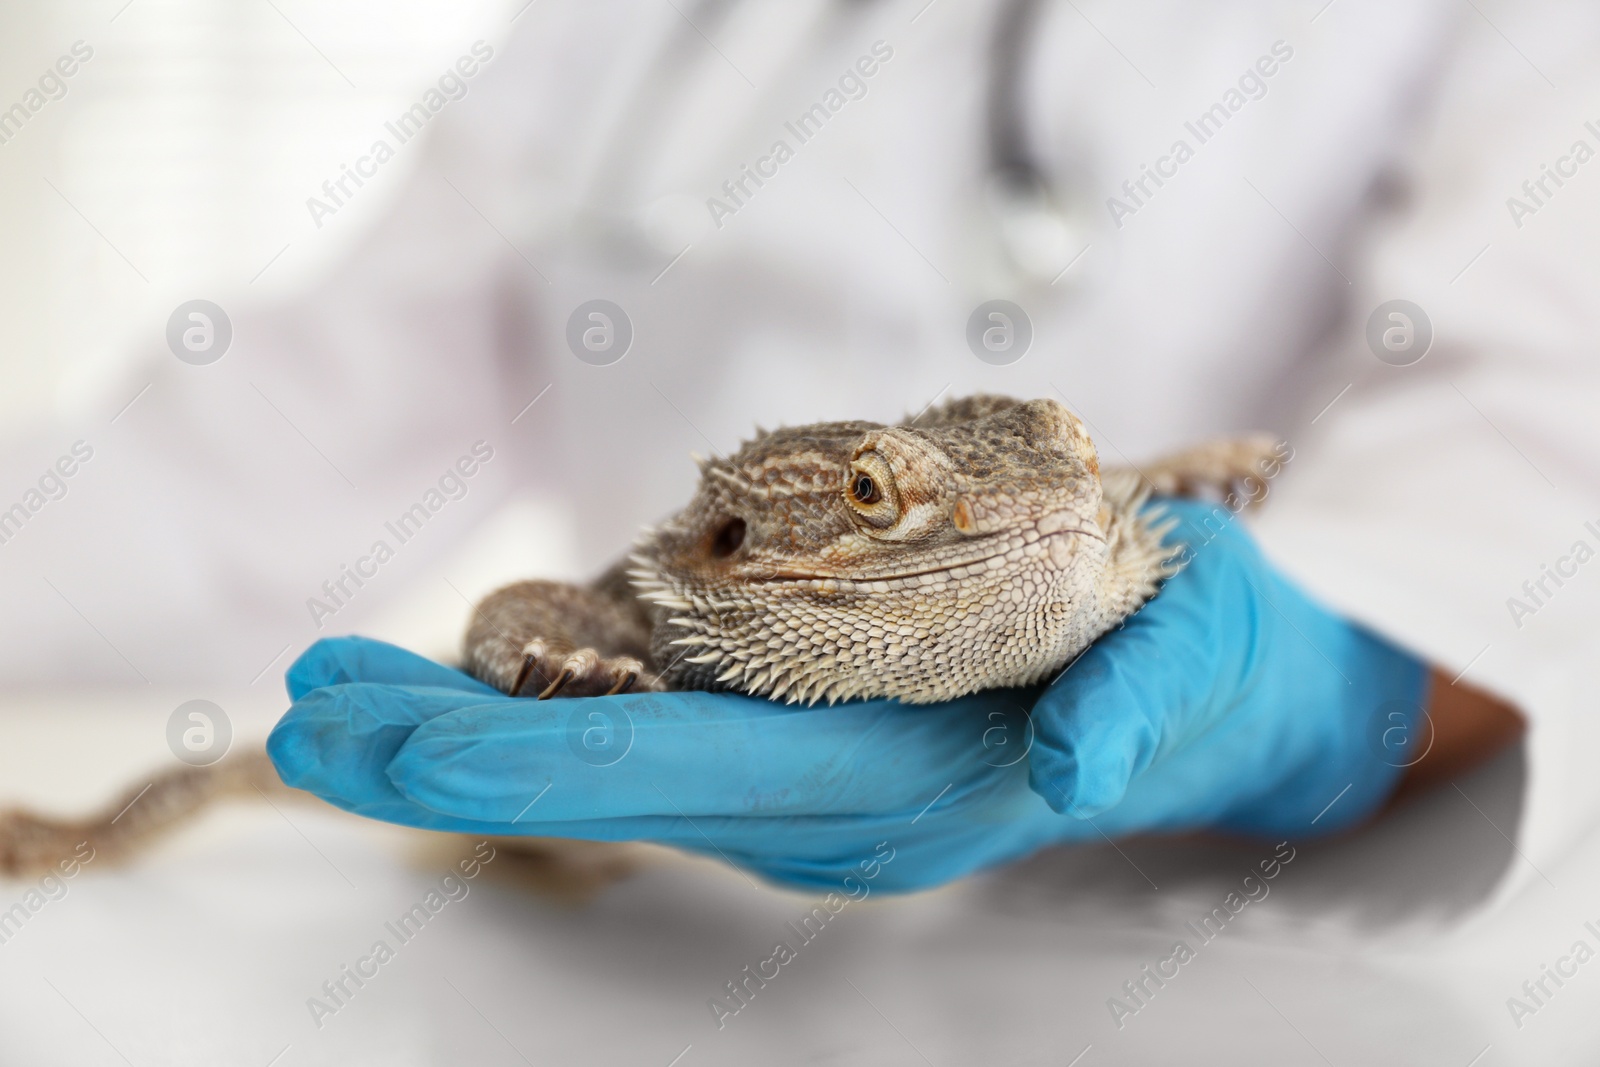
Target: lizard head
{"type": "Point", "coordinates": [956, 552]}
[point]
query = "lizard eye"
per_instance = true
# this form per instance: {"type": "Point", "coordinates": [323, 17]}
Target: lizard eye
{"type": "Point", "coordinates": [864, 489]}
{"type": "Point", "coordinates": [728, 539]}
{"type": "Point", "coordinates": [870, 492]}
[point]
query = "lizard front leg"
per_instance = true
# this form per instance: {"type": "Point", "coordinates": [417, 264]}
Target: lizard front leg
{"type": "Point", "coordinates": [1138, 557]}
{"type": "Point", "coordinates": [1241, 466]}
{"type": "Point", "coordinates": [547, 639]}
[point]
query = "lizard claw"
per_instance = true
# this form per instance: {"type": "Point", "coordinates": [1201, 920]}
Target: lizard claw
{"type": "Point", "coordinates": [542, 667]}
{"type": "Point", "coordinates": [581, 673]}
{"type": "Point", "coordinates": [559, 684]}
{"type": "Point", "coordinates": [583, 663]}
{"type": "Point", "coordinates": [522, 675]}
{"type": "Point", "coordinates": [533, 654]}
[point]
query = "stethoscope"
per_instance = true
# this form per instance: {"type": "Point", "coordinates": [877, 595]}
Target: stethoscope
{"type": "Point", "coordinates": [1040, 224]}
{"type": "Point", "coordinates": [1036, 223]}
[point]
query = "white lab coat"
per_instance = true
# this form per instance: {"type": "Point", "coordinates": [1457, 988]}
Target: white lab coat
{"type": "Point", "coordinates": [1376, 165]}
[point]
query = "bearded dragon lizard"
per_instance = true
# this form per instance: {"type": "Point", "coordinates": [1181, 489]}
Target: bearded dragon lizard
{"type": "Point", "coordinates": [976, 546]}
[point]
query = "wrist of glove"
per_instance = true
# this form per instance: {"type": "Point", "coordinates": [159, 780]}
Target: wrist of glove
{"type": "Point", "coordinates": [1230, 701]}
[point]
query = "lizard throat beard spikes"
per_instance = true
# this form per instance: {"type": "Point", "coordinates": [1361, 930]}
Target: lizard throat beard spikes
{"type": "Point", "coordinates": [962, 552]}
{"type": "Point", "coordinates": [976, 546]}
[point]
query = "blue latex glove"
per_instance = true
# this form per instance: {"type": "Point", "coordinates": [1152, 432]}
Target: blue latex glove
{"type": "Point", "coordinates": [1229, 702]}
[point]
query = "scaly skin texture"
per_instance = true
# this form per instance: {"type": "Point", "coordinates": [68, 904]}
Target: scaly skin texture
{"type": "Point", "coordinates": [984, 549]}
{"type": "Point", "coordinates": [974, 547]}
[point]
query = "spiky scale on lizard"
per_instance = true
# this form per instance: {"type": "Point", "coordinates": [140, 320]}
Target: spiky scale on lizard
{"type": "Point", "coordinates": [974, 547]}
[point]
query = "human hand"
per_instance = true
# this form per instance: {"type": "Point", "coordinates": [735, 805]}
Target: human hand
{"type": "Point", "coordinates": [1230, 701]}
{"type": "Point", "coordinates": [1255, 708]}
{"type": "Point", "coordinates": [909, 796]}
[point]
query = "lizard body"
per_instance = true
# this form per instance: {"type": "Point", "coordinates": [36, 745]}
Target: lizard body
{"type": "Point", "coordinates": [976, 546]}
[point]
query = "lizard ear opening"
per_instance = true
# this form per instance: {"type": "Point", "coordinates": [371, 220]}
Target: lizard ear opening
{"type": "Point", "coordinates": [728, 538]}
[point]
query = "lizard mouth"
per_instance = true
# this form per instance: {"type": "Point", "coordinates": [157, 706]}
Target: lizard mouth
{"type": "Point", "coordinates": [943, 568]}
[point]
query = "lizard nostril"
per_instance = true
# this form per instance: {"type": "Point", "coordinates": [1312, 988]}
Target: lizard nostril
{"type": "Point", "coordinates": [728, 539]}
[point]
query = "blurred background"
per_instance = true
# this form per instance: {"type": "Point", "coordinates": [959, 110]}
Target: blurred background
{"type": "Point", "coordinates": [179, 162]}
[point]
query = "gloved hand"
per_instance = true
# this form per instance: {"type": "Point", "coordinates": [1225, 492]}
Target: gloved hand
{"type": "Point", "coordinates": [1229, 702]}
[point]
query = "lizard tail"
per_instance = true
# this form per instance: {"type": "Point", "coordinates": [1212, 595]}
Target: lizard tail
{"type": "Point", "coordinates": [31, 844]}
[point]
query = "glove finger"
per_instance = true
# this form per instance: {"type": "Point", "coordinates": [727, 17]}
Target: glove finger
{"type": "Point", "coordinates": [1100, 725]}
{"type": "Point", "coordinates": [696, 754]}
{"type": "Point", "coordinates": [337, 741]}
{"type": "Point", "coordinates": [339, 660]}
{"type": "Point", "coordinates": [1096, 732]}
{"type": "Point", "coordinates": [889, 852]}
